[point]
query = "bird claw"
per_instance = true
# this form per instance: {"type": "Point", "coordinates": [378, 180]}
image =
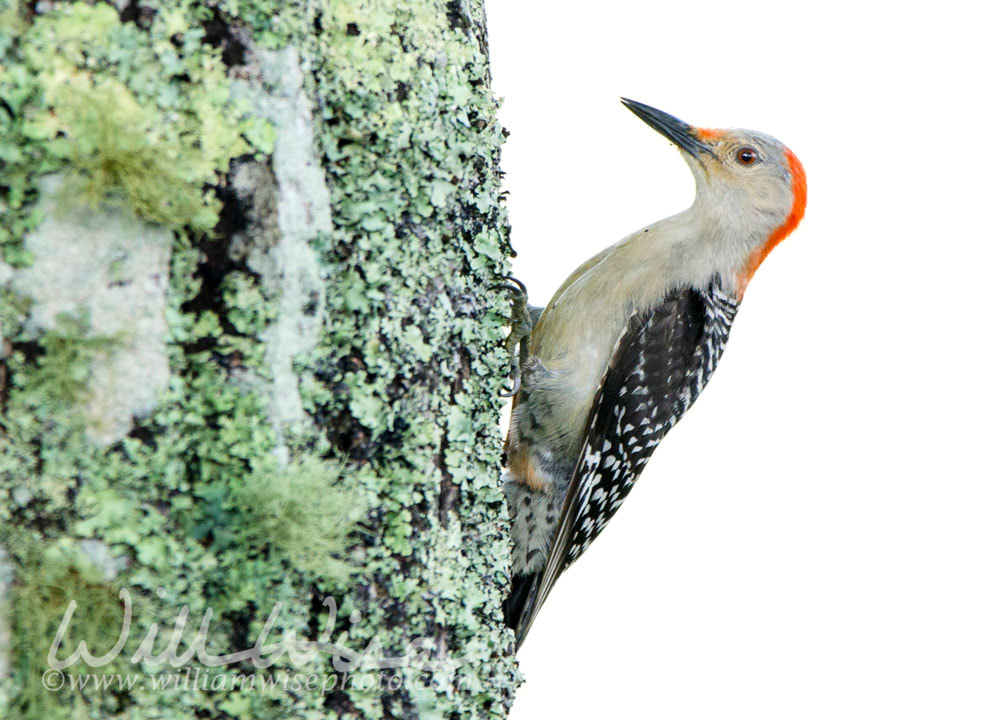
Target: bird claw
{"type": "Point", "coordinates": [515, 287]}
{"type": "Point", "coordinates": [513, 391]}
{"type": "Point", "coordinates": [521, 324]}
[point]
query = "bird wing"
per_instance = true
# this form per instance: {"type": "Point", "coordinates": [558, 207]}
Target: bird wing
{"type": "Point", "coordinates": [661, 361]}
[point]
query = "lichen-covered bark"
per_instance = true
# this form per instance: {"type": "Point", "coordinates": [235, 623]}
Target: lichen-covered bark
{"type": "Point", "coordinates": [250, 353]}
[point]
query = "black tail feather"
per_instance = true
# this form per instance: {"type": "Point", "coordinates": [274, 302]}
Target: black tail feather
{"type": "Point", "coordinates": [518, 608]}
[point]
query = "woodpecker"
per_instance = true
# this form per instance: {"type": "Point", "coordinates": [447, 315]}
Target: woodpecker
{"type": "Point", "coordinates": [626, 345]}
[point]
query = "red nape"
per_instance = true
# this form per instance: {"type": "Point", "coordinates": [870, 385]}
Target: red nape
{"type": "Point", "coordinates": [783, 230]}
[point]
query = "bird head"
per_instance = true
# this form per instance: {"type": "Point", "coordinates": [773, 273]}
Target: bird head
{"type": "Point", "coordinates": [751, 186]}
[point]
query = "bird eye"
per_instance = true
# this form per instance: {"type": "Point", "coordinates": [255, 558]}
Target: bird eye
{"type": "Point", "coordinates": [746, 156]}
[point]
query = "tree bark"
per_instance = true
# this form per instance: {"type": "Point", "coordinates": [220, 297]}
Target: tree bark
{"type": "Point", "coordinates": [250, 356]}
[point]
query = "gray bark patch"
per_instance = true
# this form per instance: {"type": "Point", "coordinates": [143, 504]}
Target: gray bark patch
{"type": "Point", "coordinates": [113, 267]}
{"type": "Point", "coordinates": [300, 205]}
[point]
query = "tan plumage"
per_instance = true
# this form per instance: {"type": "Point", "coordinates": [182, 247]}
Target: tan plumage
{"type": "Point", "coordinates": [712, 247]}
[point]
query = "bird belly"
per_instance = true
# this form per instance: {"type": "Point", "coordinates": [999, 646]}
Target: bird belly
{"type": "Point", "coordinates": [533, 522]}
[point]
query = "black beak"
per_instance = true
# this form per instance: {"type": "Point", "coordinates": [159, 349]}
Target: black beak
{"type": "Point", "coordinates": [678, 132]}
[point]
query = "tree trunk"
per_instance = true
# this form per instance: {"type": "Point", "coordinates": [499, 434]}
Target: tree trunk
{"type": "Point", "coordinates": [250, 360]}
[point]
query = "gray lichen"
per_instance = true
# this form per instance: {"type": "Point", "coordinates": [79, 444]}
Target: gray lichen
{"type": "Point", "coordinates": [277, 246]}
{"type": "Point", "coordinates": [100, 555]}
{"type": "Point", "coordinates": [110, 268]}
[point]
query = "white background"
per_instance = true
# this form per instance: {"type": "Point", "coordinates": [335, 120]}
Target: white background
{"type": "Point", "coordinates": [819, 537]}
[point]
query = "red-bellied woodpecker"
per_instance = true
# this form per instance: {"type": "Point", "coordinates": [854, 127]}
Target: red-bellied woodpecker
{"type": "Point", "coordinates": [628, 342]}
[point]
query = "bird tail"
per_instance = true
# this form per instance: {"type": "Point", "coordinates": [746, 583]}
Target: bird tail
{"type": "Point", "coordinates": [518, 608]}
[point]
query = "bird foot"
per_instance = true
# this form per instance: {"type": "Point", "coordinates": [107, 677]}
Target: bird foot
{"type": "Point", "coordinates": [522, 320]}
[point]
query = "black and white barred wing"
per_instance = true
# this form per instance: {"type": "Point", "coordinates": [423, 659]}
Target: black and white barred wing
{"type": "Point", "coordinates": [658, 373]}
{"type": "Point", "coordinates": [662, 361]}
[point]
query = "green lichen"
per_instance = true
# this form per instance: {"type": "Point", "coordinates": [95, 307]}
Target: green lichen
{"type": "Point", "coordinates": [45, 583]}
{"type": "Point", "coordinates": [113, 160]}
{"type": "Point", "coordinates": [141, 117]}
{"type": "Point", "coordinates": [13, 309]}
{"type": "Point", "coordinates": [59, 378]}
{"type": "Point", "coordinates": [400, 390]}
{"type": "Point", "coordinates": [307, 512]}
{"type": "Point", "coordinates": [411, 143]}
{"type": "Point", "coordinates": [250, 311]}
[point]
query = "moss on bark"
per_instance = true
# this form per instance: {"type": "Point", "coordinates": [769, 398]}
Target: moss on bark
{"type": "Point", "coordinates": [325, 175]}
